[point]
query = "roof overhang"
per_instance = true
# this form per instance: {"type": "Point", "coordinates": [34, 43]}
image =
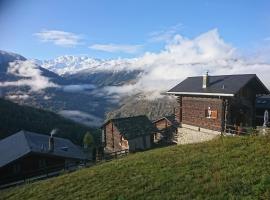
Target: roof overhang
{"type": "Point", "coordinates": [201, 94]}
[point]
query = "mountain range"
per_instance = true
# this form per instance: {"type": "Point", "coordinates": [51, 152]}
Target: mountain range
{"type": "Point", "coordinates": [75, 87]}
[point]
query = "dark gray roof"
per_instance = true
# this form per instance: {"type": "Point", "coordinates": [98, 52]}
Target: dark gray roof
{"type": "Point", "coordinates": [225, 85]}
{"type": "Point", "coordinates": [23, 143]}
{"type": "Point", "coordinates": [132, 127]}
{"type": "Point", "coordinates": [170, 118]}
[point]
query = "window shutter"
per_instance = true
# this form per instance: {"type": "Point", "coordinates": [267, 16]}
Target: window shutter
{"type": "Point", "coordinates": [214, 114]}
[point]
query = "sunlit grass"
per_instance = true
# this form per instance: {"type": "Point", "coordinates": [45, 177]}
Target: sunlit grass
{"type": "Point", "coordinates": [225, 168]}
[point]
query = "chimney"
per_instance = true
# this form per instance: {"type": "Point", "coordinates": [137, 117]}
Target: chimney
{"type": "Point", "coordinates": [51, 144]}
{"type": "Point", "coordinates": [205, 80]}
{"type": "Point", "coordinates": [51, 140]}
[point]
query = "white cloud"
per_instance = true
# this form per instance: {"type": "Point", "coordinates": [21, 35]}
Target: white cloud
{"type": "Point", "coordinates": [112, 48]}
{"type": "Point", "coordinates": [18, 96]}
{"type": "Point", "coordinates": [81, 117]}
{"type": "Point", "coordinates": [165, 35]}
{"type": "Point", "coordinates": [30, 75]}
{"type": "Point", "coordinates": [78, 88]}
{"type": "Point", "coordinates": [183, 57]}
{"type": "Point", "coordinates": [60, 38]}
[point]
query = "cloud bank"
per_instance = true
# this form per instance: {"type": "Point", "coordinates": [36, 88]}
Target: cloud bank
{"type": "Point", "coordinates": [31, 76]}
{"type": "Point", "coordinates": [59, 38]}
{"type": "Point", "coordinates": [183, 57]}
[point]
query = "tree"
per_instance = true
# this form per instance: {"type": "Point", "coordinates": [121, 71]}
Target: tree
{"type": "Point", "coordinates": [88, 140]}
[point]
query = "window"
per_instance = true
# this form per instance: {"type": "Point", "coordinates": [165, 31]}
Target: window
{"type": "Point", "coordinates": [211, 114]}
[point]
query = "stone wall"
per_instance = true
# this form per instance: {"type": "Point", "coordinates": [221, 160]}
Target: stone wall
{"type": "Point", "coordinates": [188, 135]}
{"type": "Point", "coordinates": [194, 112]}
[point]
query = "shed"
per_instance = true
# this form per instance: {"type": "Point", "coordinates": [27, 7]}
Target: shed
{"type": "Point", "coordinates": [132, 133]}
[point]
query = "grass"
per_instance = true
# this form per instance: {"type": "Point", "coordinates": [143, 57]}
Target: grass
{"type": "Point", "coordinates": [225, 168]}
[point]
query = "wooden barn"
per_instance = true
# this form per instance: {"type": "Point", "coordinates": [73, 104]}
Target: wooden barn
{"type": "Point", "coordinates": [130, 133]}
{"type": "Point", "coordinates": [166, 129]}
{"type": "Point", "coordinates": [218, 103]}
{"type": "Point", "coordinates": [27, 154]}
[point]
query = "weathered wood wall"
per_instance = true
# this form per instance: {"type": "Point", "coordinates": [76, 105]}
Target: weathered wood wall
{"type": "Point", "coordinates": [193, 112]}
{"type": "Point", "coordinates": [114, 140]}
{"type": "Point", "coordinates": [31, 164]}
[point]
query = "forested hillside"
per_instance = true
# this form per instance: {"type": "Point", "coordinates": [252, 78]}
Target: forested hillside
{"type": "Point", "coordinates": [14, 117]}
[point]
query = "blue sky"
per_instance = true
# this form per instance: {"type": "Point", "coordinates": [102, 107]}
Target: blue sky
{"type": "Point", "coordinates": [125, 28]}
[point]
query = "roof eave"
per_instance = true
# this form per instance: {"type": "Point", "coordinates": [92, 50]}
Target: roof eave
{"type": "Point", "coordinates": [201, 94]}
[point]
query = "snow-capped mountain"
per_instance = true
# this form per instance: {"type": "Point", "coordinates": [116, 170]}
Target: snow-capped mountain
{"type": "Point", "coordinates": [77, 87]}
{"type": "Point", "coordinates": [69, 85]}
{"type": "Point", "coordinates": [6, 57]}
{"type": "Point", "coordinates": [67, 65]}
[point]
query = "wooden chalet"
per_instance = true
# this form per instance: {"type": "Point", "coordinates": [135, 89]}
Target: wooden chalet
{"type": "Point", "coordinates": [27, 154]}
{"type": "Point", "coordinates": [130, 133]}
{"type": "Point", "coordinates": [216, 103]}
{"type": "Point", "coordinates": [166, 129]}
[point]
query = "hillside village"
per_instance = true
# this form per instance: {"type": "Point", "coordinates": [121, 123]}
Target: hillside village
{"type": "Point", "coordinates": [208, 107]}
{"type": "Point", "coordinates": [134, 100]}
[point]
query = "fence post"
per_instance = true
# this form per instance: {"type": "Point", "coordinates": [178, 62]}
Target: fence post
{"type": "Point", "coordinates": [226, 113]}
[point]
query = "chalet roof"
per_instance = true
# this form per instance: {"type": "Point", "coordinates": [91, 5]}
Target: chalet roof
{"type": "Point", "coordinates": [169, 118]}
{"type": "Point", "coordinates": [24, 142]}
{"type": "Point", "coordinates": [132, 127]}
{"type": "Point", "coordinates": [224, 85]}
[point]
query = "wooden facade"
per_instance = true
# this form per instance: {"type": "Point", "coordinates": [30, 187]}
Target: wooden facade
{"type": "Point", "coordinates": [114, 141]}
{"type": "Point", "coordinates": [166, 129]}
{"type": "Point", "coordinates": [32, 165]}
{"type": "Point", "coordinates": [131, 133]}
{"type": "Point", "coordinates": [194, 112]}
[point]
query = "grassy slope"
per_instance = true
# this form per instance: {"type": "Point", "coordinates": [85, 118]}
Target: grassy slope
{"type": "Point", "coordinates": [228, 168]}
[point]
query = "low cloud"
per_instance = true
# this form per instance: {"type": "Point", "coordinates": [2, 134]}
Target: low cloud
{"type": "Point", "coordinates": [183, 57]}
{"type": "Point", "coordinates": [18, 96]}
{"type": "Point", "coordinates": [81, 117]}
{"type": "Point", "coordinates": [78, 88]}
{"type": "Point", "coordinates": [30, 75]}
{"type": "Point", "coordinates": [113, 48]}
{"type": "Point", "coordinates": [60, 38]}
